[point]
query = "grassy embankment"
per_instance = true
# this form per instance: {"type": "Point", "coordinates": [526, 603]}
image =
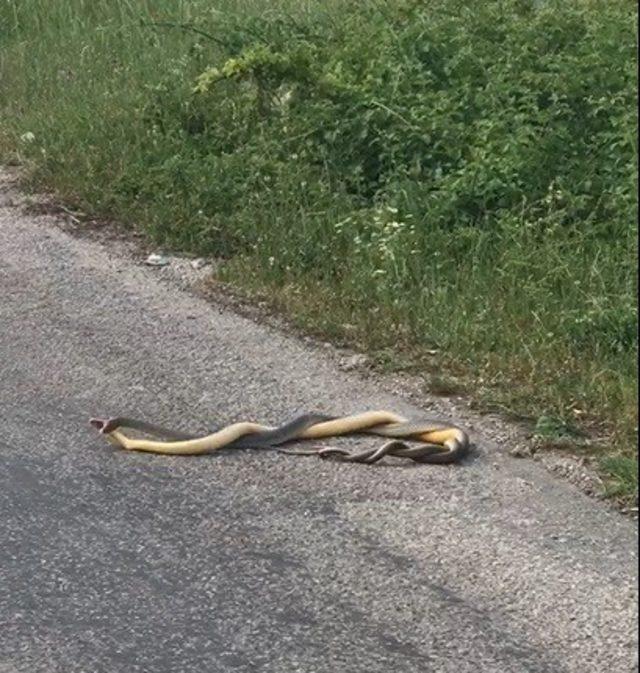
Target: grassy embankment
{"type": "Point", "coordinates": [447, 185]}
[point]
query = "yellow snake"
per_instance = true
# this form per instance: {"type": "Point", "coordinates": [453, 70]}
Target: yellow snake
{"type": "Point", "coordinates": [439, 443]}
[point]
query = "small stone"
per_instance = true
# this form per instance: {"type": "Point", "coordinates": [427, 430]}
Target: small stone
{"type": "Point", "coordinates": [157, 260]}
{"type": "Point", "coordinates": [521, 451]}
{"type": "Point", "coordinates": [198, 263]}
{"type": "Point", "coordinates": [354, 362]}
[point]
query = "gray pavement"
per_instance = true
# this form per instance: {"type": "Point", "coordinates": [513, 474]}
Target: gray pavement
{"type": "Point", "coordinates": [255, 561]}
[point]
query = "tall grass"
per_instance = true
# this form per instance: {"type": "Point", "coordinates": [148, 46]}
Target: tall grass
{"type": "Point", "coordinates": [408, 177]}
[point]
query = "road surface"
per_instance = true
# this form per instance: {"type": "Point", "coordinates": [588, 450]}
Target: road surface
{"type": "Point", "coordinates": [255, 561]}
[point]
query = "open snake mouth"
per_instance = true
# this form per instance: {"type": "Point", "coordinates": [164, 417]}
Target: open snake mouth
{"type": "Point", "coordinates": [99, 424]}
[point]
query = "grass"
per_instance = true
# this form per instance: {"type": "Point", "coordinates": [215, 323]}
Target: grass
{"type": "Point", "coordinates": [622, 477]}
{"type": "Point", "coordinates": [450, 187]}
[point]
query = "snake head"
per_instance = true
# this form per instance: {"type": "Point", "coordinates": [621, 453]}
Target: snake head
{"type": "Point", "coordinates": [101, 425]}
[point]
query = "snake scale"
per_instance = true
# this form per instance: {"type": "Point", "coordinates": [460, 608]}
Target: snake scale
{"type": "Point", "coordinates": [438, 442]}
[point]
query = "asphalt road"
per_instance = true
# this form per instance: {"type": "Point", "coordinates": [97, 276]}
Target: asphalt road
{"type": "Point", "coordinates": [254, 561]}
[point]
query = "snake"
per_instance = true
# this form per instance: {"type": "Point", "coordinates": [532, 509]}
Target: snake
{"type": "Point", "coordinates": [438, 442]}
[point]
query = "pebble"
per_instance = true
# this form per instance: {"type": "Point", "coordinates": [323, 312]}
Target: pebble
{"type": "Point", "coordinates": [354, 362]}
{"type": "Point", "coordinates": [521, 451]}
{"type": "Point", "coordinates": [157, 260]}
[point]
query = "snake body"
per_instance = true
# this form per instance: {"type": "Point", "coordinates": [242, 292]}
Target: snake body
{"type": "Point", "coordinates": [439, 443]}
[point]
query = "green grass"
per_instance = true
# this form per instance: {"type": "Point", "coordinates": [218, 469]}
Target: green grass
{"type": "Point", "coordinates": [622, 476]}
{"type": "Point", "coordinates": [404, 177]}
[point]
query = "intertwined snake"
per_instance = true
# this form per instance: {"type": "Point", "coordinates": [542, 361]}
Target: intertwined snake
{"type": "Point", "coordinates": [439, 443]}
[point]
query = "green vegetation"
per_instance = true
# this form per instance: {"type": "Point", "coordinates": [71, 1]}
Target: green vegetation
{"type": "Point", "coordinates": [622, 474]}
{"type": "Point", "coordinates": [445, 184]}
